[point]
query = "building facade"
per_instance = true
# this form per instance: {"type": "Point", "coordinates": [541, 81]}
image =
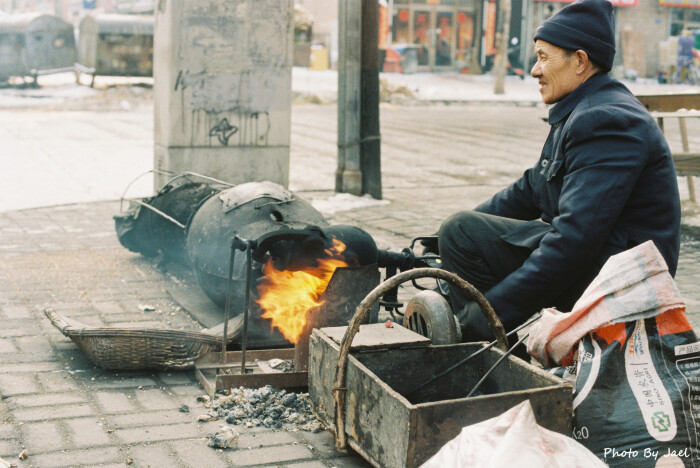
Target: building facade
{"type": "Point", "coordinates": [459, 35]}
{"type": "Point", "coordinates": [640, 27]}
{"type": "Point", "coordinates": [447, 34]}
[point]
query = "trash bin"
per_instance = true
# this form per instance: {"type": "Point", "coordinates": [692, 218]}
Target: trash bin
{"type": "Point", "coordinates": [409, 57]}
{"type": "Point", "coordinates": [116, 45]}
{"type": "Point", "coordinates": [319, 57]}
{"type": "Point", "coordinates": [34, 44]}
{"type": "Point", "coordinates": [392, 61]}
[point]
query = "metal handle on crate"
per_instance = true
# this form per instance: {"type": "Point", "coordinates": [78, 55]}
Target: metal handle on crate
{"type": "Point", "coordinates": [339, 388]}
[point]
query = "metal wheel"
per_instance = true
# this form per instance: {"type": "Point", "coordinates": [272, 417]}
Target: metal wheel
{"type": "Point", "coordinates": [429, 314]}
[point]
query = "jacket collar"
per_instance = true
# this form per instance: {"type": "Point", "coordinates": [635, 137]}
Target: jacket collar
{"type": "Point", "coordinates": [564, 107]}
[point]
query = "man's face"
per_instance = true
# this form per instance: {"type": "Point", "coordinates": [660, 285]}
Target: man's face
{"type": "Point", "coordinates": [556, 71]}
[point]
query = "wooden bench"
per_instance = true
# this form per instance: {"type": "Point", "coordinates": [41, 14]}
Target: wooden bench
{"type": "Point", "coordinates": [679, 106]}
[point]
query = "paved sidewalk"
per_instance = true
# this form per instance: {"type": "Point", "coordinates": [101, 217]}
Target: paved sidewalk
{"type": "Point", "coordinates": [452, 87]}
{"type": "Point", "coordinates": [62, 92]}
{"type": "Point", "coordinates": [66, 412]}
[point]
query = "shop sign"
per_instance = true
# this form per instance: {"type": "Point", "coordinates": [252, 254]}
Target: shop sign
{"type": "Point", "coordinates": [617, 3]}
{"type": "Point", "coordinates": [680, 3]}
{"type": "Point", "coordinates": [490, 29]}
{"type": "Point", "coordinates": [383, 41]}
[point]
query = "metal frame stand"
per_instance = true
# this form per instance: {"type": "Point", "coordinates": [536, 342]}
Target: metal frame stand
{"type": "Point", "coordinates": [217, 371]}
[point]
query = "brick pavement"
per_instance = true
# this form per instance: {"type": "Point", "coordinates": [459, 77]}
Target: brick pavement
{"type": "Point", "coordinates": [65, 412]}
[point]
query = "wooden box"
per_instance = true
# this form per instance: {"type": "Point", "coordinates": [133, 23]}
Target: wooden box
{"type": "Point", "coordinates": [386, 364]}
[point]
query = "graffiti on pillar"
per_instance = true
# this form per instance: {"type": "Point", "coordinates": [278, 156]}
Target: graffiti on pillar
{"type": "Point", "coordinates": [230, 109]}
{"type": "Point", "coordinates": [256, 129]}
{"type": "Point", "coordinates": [247, 128]}
{"type": "Point", "coordinates": [223, 131]}
{"type": "Point", "coordinates": [179, 82]}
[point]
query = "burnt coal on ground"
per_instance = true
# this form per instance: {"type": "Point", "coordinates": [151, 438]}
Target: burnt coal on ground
{"type": "Point", "coordinates": [267, 407]}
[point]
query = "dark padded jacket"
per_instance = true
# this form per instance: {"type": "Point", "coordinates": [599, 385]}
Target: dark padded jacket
{"type": "Point", "coordinates": [605, 182]}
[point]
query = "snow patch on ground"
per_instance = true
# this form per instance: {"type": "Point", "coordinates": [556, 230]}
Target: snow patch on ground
{"type": "Point", "coordinates": [345, 202]}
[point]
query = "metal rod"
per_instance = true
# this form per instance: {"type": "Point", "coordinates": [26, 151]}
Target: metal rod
{"type": "Point", "coordinates": [505, 355]}
{"type": "Point", "coordinates": [152, 171]}
{"type": "Point", "coordinates": [684, 140]}
{"type": "Point", "coordinates": [227, 313]}
{"type": "Point", "coordinates": [473, 355]}
{"type": "Point", "coordinates": [174, 176]}
{"type": "Point", "coordinates": [244, 343]}
{"type": "Point", "coordinates": [206, 177]}
{"type": "Point", "coordinates": [168, 217]}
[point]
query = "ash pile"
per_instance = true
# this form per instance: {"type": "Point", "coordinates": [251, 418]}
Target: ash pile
{"type": "Point", "coordinates": [266, 406]}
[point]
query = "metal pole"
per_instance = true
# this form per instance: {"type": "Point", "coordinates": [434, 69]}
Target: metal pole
{"type": "Point", "coordinates": [471, 356]}
{"type": "Point", "coordinates": [502, 41]}
{"type": "Point", "coordinates": [686, 148]}
{"type": "Point", "coordinates": [227, 314]}
{"type": "Point", "coordinates": [501, 359]}
{"type": "Point", "coordinates": [248, 266]}
{"type": "Point", "coordinates": [370, 143]}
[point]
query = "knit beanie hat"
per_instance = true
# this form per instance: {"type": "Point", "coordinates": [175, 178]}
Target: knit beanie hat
{"type": "Point", "coordinates": [585, 24]}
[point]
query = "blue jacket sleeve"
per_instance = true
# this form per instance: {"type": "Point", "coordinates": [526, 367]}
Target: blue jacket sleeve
{"type": "Point", "coordinates": [604, 155]}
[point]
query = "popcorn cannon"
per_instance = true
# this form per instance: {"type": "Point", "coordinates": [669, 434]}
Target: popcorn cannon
{"type": "Point", "coordinates": [193, 218]}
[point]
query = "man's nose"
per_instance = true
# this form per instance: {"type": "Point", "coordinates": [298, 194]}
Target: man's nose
{"type": "Point", "coordinates": [535, 72]}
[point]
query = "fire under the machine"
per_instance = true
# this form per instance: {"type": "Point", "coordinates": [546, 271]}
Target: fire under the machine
{"type": "Point", "coordinates": [347, 287]}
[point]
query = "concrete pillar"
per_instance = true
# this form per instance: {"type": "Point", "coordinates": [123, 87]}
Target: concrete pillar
{"type": "Point", "coordinates": [222, 88]}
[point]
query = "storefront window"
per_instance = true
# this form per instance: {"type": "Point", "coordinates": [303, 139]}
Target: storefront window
{"type": "Point", "coordinates": [421, 35]}
{"type": "Point", "coordinates": [684, 18]}
{"type": "Point", "coordinates": [400, 32]}
{"type": "Point", "coordinates": [443, 47]}
{"type": "Point", "coordinates": [465, 38]}
{"type": "Point", "coordinates": [440, 33]}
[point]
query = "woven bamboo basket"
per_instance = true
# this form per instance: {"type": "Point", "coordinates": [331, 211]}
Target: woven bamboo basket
{"type": "Point", "coordinates": [136, 348]}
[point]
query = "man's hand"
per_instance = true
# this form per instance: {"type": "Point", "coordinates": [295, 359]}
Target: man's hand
{"type": "Point", "coordinates": [430, 246]}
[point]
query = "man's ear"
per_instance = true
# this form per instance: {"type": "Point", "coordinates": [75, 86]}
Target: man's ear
{"type": "Point", "coordinates": [582, 61]}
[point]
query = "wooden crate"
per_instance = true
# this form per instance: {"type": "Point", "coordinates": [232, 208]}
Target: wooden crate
{"type": "Point", "coordinates": [390, 430]}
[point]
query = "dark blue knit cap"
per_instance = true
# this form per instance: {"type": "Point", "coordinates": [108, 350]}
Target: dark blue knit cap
{"type": "Point", "coordinates": [585, 24]}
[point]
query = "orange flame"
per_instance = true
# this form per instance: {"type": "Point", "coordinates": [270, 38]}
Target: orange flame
{"type": "Point", "coordinates": [286, 296]}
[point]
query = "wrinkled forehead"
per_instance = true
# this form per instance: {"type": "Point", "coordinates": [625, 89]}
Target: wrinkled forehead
{"type": "Point", "coordinates": [548, 48]}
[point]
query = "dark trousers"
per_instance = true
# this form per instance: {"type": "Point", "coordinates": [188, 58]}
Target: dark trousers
{"type": "Point", "coordinates": [471, 246]}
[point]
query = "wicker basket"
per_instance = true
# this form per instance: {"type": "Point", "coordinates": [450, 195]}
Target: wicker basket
{"type": "Point", "coordinates": [136, 348]}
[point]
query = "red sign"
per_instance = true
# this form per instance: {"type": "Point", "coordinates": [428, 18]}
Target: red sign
{"type": "Point", "coordinates": [383, 26]}
{"type": "Point", "coordinates": [680, 3]}
{"type": "Point", "coordinates": [490, 29]}
{"type": "Point", "coordinates": [617, 3]}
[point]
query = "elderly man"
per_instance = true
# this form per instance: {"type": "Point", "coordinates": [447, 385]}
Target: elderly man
{"type": "Point", "coordinates": [605, 182]}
